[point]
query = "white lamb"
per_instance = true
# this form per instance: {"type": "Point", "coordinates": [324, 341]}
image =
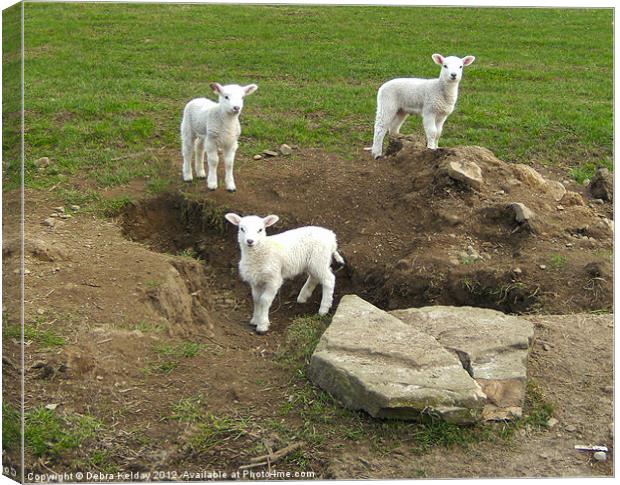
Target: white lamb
{"type": "Point", "coordinates": [434, 99]}
{"type": "Point", "coordinates": [207, 126]}
{"type": "Point", "coordinates": [266, 261]}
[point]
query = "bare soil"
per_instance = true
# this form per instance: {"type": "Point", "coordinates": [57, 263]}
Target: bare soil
{"type": "Point", "coordinates": [117, 290]}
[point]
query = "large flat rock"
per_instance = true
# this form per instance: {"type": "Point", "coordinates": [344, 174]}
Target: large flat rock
{"type": "Point", "coordinates": [371, 360]}
{"type": "Point", "coordinates": [491, 345]}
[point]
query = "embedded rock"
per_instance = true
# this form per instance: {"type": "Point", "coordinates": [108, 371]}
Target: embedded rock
{"type": "Point", "coordinates": [371, 360]}
{"type": "Point", "coordinates": [465, 171]}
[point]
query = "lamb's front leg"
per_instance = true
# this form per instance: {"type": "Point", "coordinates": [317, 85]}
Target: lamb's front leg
{"type": "Point", "coordinates": [439, 124]}
{"type": "Point", "coordinates": [265, 300]}
{"type": "Point", "coordinates": [430, 128]}
{"type": "Point", "coordinates": [213, 160]}
{"type": "Point", "coordinates": [256, 293]}
{"type": "Point", "coordinates": [229, 161]}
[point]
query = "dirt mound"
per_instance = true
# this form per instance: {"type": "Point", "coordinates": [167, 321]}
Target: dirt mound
{"type": "Point", "coordinates": [415, 228]}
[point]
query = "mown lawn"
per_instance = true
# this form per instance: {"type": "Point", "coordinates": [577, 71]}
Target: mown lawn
{"type": "Point", "coordinates": [105, 84]}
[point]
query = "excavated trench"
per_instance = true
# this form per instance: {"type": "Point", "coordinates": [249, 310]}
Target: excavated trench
{"type": "Point", "coordinates": [179, 224]}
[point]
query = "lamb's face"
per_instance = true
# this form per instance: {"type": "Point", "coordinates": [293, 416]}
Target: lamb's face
{"type": "Point", "coordinates": [252, 229]}
{"type": "Point", "coordinates": [452, 66]}
{"type": "Point", "coordinates": [231, 96]}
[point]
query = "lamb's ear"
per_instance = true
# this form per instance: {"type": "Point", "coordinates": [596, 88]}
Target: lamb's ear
{"type": "Point", "coordinates": [217, 87]}
{"type": "Point", "coordinates": [249, 89]}
{"type": "Point", "coordinates": [467, 60]}
{"type": "Point", "coordinates": [233, 218]}
{"type": "Point", "coordinates": [270, 220]}
{"type": "Point", "coordinates": [438, 58]}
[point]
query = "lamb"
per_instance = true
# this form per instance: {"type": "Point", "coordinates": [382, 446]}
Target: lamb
{"type": "Point", "coordinates": [266, 261]}
{"type": "Point", "coordinates": [434, 99]}
{"type": "Point", "coordinates": [207, 126]}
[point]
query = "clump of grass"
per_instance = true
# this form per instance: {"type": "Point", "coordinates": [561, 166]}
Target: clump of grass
{"type": "Point", "coordinates": [157, 185]}
{"type": "Point", "coordinates": [169, 355]}
{"type": "Point", "coordinates": [189, 409]}
{"type": "Point", "coordinates": [112, 207]}
{"type": "Point", "coordinates": [212, 430]}
{"type": "Point", "coordinates": [558, 261]}
{"type": "Point", "coordinates": [301, 339]}
{"type": "Point", "coordinates": [11, 427]}
{"type": "Point", "coordinates": [148, 327]}
{"type": "Point", "coordinates": [586, 170]}
{"type": "Point", "coordinates": [47, 434]}
{"type": "Point", "coordinates": [45, 338]}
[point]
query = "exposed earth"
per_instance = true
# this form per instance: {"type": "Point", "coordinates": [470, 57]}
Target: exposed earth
{"type": "Point", "coordinates": [153, 316]}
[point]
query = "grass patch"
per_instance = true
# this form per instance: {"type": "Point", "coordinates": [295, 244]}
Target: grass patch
{"type": "Point", "coordinates": [157, 185]}
{"type": "Point", "coordinates": [190, 409]}
{"type": "Point", "coordinates": [43, 337]}
{"type": "Point", "coordinates": [558, 261]}
{"type": "Point", "coordinates": [302, 337]}
{"type": "Point", "coordinates": [169, 356]}
{"type": "Point", "coordinates": [11, 427]}
{"type": "Point", "coordinates": [112, 207]}
{"type": "Point", "coordinates": [95, 118]}
{"type": "Point", "coordinates": [212, 430]}
{"type": "Point", "coordinates": [585, 170]}
{"type": "Point", "coordinates": [48, 434]}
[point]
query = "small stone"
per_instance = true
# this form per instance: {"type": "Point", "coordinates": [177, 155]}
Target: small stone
{"type": "Point", "coordinates": [522, 212]}
{"type": "Point", "coordinates": [552, 422]}
{"type": "Point", "coordinates": [75, 207]}
{"type": "Point", "coordinates": [99, 378]}
{"type": "Point", "coordinates": [42, 162]}
{"type": "Point", "coordinates": [560, 207]}
{"type": "Point", "coordinates": [500, 192]}
{"type": "Point", "coordinates": [257, 157]}
{"type": "Point", "coordinates": [602, 185]}
{"type": "Point", "coordinates": [517, 271]}
{"type": "Point", "coordinates": [270, 153]}
{"type": "Point", "coordinates": [285, 149]}
{"type": "Point", "coordinates": [465, 171]}
{"type": "Point", "coordinates": [586, 182]}
{"type": "Point", "coordinates": [600, 456]}
{"type": "Point", "coordinates": [54, 214]}
{"type": "Point", "coordinates": [51, 407]}
{"type": "Point", "coordinates": [543, 266]}
{"type": "Point", "coordinates": [569, 245]}
{"type": "Point", "coordinates": [598, 201]}
{"type": "Point", "coordinates": [570, 428]}
{"type": "Point", "coordinates": [608, 389]}
{"type": "Point", "coordinates": [65, 216]}
{"type": "Point", "coordinates": [40, 311]}
{"type": "Point", "coordinates": [59, 209]}
{"type": "Point", "coordinates": [50, 222]}
{"type": "Point", "coordinates": [546, 347]}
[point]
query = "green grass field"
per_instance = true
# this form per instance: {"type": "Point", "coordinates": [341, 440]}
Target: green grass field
{"type": "Point", "coordinates": [105, 84]}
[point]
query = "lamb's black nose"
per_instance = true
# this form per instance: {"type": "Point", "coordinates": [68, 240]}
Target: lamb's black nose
{"type": "Point", "coordinates": [453, 76]}
{"type": "Point", "coordinates": [250, 242]}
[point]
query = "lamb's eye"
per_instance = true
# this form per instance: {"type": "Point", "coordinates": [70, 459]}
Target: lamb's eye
{"type": "Point", "coordinates": [445, 66]}
{"type": "Point", "coordinates": [460, 67]}
{"type": "Point", "coordinates": [242, 229]}
{"type": "Point", "coordinates": [260, 230]}
{"type": "Point", "coordinates": [226, 97]}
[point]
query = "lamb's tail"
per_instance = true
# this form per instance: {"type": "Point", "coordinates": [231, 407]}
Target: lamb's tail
{"type": "Point", "coordinates": [338, 258]}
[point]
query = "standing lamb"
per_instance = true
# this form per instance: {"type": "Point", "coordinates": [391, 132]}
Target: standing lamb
{"type": "Point", "coordinates": [207, 126]}
{"type": "Point", "coordinates": [266, 261]}
{"type": "Point", "coordinates": [434, 99]}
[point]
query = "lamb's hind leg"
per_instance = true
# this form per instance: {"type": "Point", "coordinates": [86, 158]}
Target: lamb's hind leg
{"type": "Point", "coordinates": [187, 147]}
{"type": "Point", "coordinates": [397, 122]}
{"type": "Point", "coordinates": [328, 283]}
{"type": "Point", "coordinates": [308, 288]}
{"type": "Point", "coordinates": [199, 153]}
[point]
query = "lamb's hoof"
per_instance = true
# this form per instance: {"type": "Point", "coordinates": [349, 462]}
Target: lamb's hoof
{"type": "Point", "coordinates": [188, 179]}
{"type": "Point", "coordinates": [302, 300]}
{"type": "Point", "coordinates": [204, 176]}
{"type": "Point", "coordinates": [261, 332]}
{"type": "Point", "coordinates": [232, 191]}
{"type": "Point", "coordinates": [322, 313]}
{"type": "Point", "coordinates": [211, 188]}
